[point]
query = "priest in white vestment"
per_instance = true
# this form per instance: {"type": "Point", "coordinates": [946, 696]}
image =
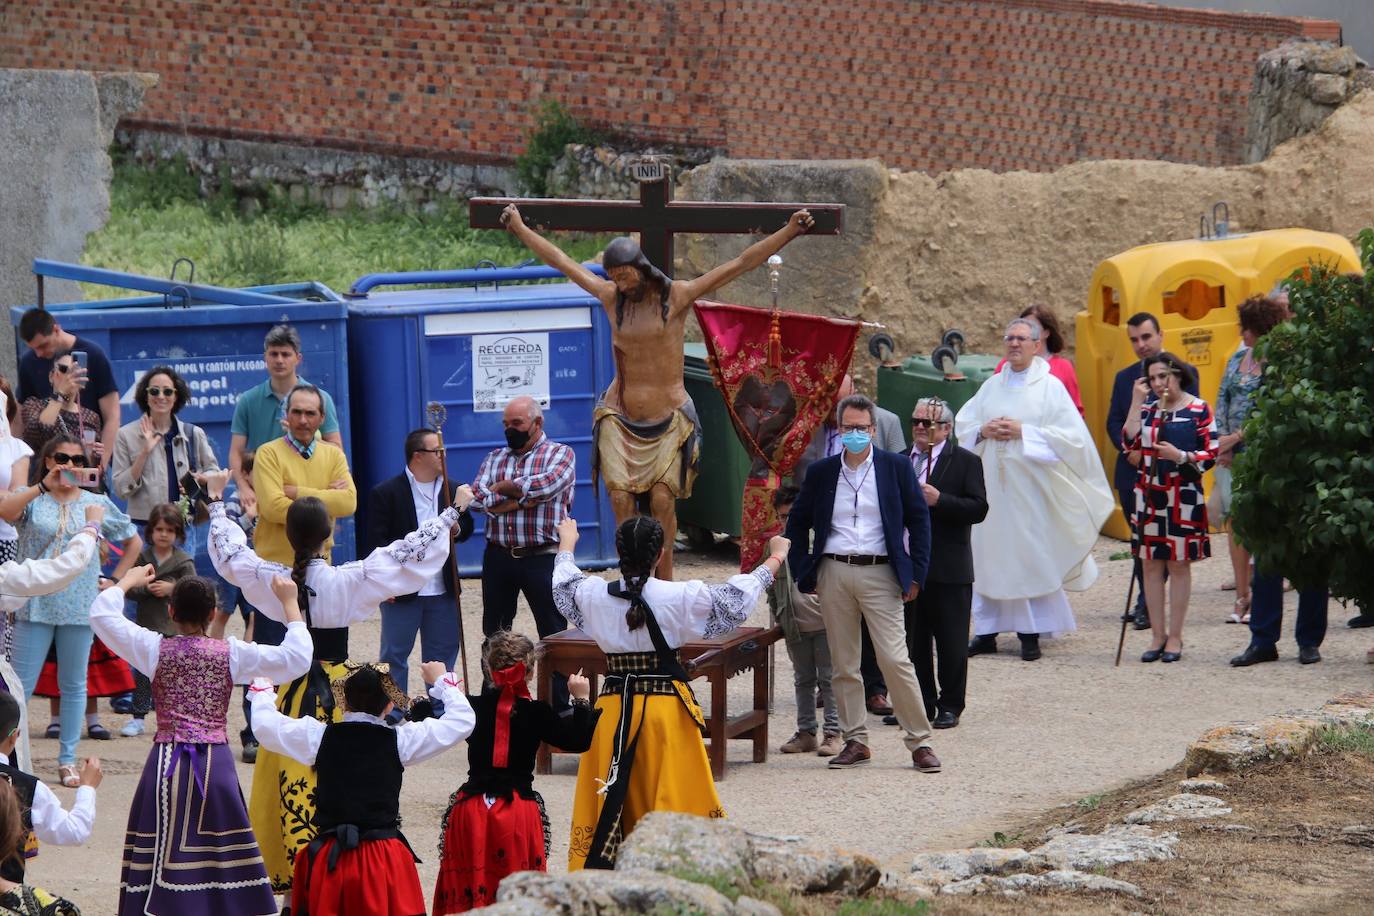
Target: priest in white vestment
{"type": "Point", "coordinates": [1047, 499]}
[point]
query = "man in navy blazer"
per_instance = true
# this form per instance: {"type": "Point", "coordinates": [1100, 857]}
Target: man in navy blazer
{"type": "Point", "coordinates": [860, 534]}
{"type": "Point", "coordinates": [1143, 331]}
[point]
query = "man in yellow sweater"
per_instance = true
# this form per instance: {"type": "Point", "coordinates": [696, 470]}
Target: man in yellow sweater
{"type": "Point", "coordinates": [299, 465]}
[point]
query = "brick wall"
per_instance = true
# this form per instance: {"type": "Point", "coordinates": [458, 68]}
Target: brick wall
{"type": "Point", "coordinates": [999, 84]}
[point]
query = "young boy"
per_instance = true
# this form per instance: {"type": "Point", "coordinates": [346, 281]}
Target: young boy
{"type": "Point", "coordinates": [799, 615]}
{"type": "Point", "coordinates": [45, 820]}
{"type": "Point", "coordinates": [359, 861]}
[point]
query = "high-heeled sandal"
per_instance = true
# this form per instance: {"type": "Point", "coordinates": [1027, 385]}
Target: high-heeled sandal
{"type": "Point", "coordinates": [1240, 611]}
{"type": "Point", "coordinates": [67, 773]}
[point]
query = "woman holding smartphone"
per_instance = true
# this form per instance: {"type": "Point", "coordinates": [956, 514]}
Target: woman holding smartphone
{"type": "Point", "coordinates": [48, 515]}
{"type": "Point", "coordinates": [62, 413]}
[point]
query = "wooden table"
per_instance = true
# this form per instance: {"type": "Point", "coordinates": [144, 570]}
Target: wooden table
{"type": "Point", "coordinates": [717, 660]}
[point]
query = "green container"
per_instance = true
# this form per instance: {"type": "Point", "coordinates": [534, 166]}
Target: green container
{"type": "Point", "coordinates": [900, 387]}
{"type": "Point", "coordinates": [717, 500]}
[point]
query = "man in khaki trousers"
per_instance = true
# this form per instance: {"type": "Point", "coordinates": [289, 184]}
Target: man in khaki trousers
{"type": "Point", "coordinates": [860, 533]}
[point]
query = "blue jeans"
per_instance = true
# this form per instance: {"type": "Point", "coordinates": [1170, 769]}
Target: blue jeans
{"type": "Point", "coordinates": [31, 643]}
{"type": "Point", "coordinates": [434, 618]}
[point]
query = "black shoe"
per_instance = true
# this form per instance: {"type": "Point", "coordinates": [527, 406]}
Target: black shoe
{"type": "Point", "coordinates": [889, 720]}
{"type": "Point", "coordinates": [983, 645]}
{"type": "Point", "coordinates": [1253, 655]}
{"type": "Point", "coordinates": [944, 719]}
{"type": "Point", "coordinates": [1360, 622]}
{"type": "Point", "coordinates": [1030, 647]}
{"type": "Point", "coordinates": [1308, 655]}
{"type": "Point", "coordinates": [250, 752]}
{"type": "Point", "coordinates": [1141, 618]}
{"type": "Point", "coordinates": [1151, 655]}
{"type": "Point", "coordinates": [1171, 656]}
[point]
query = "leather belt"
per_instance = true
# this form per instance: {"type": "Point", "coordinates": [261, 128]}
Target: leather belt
{"type": "Point", "coordinates": [516, 553]}
{"type": "Point", "coordinates": [856, 559]}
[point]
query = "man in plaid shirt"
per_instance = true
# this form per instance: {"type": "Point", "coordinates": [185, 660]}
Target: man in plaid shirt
{"type": "Point", "coordinates": [526, 489]}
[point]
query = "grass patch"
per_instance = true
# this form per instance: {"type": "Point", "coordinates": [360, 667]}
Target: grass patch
{"type": "Point", "coordinates": [1000, 840]}
{"type": "Point", "coordinates": [1090, 802]}
{"type": "Point", "coordinates": [882, 906]}
{"type": "Point", "coordinates": [1347, 739]}
{"type": "Point", "coordinates": [1120, 555]}
{"type": "Point", "coordinates": [157, 216]}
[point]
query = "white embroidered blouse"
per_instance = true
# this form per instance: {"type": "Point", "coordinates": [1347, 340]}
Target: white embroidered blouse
{"type": "Point", "coordinates": [344, 594]}
{"type": "Point", "coordinates": [684, 610]}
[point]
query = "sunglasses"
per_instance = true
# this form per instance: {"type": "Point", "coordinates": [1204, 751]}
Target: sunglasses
{"type": "Point", "coordinates": [927, 424]}
{"type": "Point", "coordinates": [162, 392]}
{"type": "Point", "coordinates": [64, 368]}
{"type": "Point", "coordinates": [63, 458]}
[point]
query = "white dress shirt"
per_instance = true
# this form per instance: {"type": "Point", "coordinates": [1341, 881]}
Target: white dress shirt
{"type": "Point", "coordinates": [426, 499]}
{"type": "Point", "coordinates": [923, 475]}
{"type": "Point", "coordinates": [247, 660]}
{"type": "Point", "coordinates": [416, 742]}
{"type": "Point", "coordinates": [856, 523]}
{"type": "Point", "coordinates": [54, 824]}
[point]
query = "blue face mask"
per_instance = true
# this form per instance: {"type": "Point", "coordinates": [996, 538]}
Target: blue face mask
{"type": "Point", "coordinates": [856, 441]}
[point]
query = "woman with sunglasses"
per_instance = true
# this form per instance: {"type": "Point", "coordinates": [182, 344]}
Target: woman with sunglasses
{"type": "Point", "coordinates": [50, 516]}
{"type": "Point", "coordinates": [61, 414]}
{"type": "Point", "coordinates": [154, 452]}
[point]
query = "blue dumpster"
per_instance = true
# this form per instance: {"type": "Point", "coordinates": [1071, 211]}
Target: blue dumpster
{"type": "Point", "coordinates": [486, 336]}
{"type": "Point", "coordinates": [213, 338]}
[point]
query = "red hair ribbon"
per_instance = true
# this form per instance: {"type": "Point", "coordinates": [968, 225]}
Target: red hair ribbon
{"type": "Point", "coordinates": [512, 683]}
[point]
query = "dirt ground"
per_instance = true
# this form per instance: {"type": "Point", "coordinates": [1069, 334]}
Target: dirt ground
{"type": "Point", "coordinates": [1034, 735]}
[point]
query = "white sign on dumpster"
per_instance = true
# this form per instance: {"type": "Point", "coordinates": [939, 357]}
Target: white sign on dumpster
{"type": "Point", "coordinates": [506, 366]}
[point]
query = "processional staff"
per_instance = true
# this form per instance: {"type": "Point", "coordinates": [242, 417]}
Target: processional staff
{"type": "Point", "coordinates": [437, 416]}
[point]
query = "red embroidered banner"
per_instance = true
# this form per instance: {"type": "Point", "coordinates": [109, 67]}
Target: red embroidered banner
{"type": "Point", "coordinates": [779, 372]}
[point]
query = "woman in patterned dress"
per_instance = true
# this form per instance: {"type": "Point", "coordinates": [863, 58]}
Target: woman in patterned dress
{"type": "Point", "coordinates": [1176, 435]}
{"type": "Point", "coordinates": [1240, 381]}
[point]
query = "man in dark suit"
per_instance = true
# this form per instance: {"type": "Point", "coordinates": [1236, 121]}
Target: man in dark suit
{"type": "Point", "coordinates": [861, 541]}
{"type": "Point", "coordinates": [395, 508]}
{"type": "Point", "coordinates": [951, 480]}
{"type": "Point", "coordinates": [1146, 339]}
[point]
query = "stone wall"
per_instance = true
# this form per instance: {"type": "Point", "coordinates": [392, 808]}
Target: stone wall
{"type": "Point", "coordinates": [1298, 86]}
{"type": "Point", "coordinates": [55, 128]}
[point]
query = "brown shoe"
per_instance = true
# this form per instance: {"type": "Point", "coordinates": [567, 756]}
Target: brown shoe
{"type": "Point", "coordinates": [830, 746]}
{"type": "Point", "coordinates": [924, 759]}
{"type": "Point", "coordinates": [878, 705]}
{"type": "Point", "coordinates": [853, 755]}
{"type": "Point", "coordinates": [800, 743]}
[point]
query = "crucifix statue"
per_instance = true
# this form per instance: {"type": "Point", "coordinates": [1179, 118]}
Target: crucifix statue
{"type": "Point", "coordinates": [645, 436]}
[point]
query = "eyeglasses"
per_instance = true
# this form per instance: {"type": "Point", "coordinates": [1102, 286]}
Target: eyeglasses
{"type": "Point", "coordinates": [927, 424]}
{"type": "Point", "coordinates": [430, 451]}
{"type": "Point", "coordinates": [856, 429]}
{"type": "Point", "coordinates": [1016, 338]}
{"type": "Point", "coordinates": [162, 392]}
{"type": "Point", "coordinates": [63, 458]}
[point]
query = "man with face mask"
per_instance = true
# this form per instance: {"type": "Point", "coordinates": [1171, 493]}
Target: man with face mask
{"type": "Point", "coordinates": [526, 489]}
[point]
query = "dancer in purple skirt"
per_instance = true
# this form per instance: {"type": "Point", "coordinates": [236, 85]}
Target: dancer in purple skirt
{"type": "Point", "coordinates": [189, 847]}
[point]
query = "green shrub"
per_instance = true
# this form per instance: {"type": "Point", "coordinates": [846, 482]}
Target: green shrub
{"type": "Point", "coordinates": [554, 128]}
{"type": "Point", "coordinates": [1304, 485]}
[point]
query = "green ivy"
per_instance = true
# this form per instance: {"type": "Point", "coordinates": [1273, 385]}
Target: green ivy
{"type": "Point", "coordinates": [554, 128]}
{"type": "Point", "coordinates": [1304, 485]}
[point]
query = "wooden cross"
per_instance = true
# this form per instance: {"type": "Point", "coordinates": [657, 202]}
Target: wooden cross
{"type": "Point", "coordinates": [656, 216]}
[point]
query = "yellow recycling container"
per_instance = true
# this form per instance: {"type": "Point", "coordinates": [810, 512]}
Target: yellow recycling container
{"type": "Point", "coordinates": [1193, 287]}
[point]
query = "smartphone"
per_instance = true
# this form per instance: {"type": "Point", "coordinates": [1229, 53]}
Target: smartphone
{"type": "Point", "coordinates": [79, 357]}
{"type": "Point", "coordinates": [87, 435]}
{"type": "Point", "coordinates": [193, 490]}
{"type": "Point", "coordinates": [83, 477]}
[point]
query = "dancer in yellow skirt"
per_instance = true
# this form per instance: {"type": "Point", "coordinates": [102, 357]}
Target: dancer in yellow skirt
{"type": "Point", "coordinates": [282, 805]}
{"type": "Point", "coordinates": [647, 753]}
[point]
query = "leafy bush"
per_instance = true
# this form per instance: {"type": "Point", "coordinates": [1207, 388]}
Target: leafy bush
{"type": "Point", "coordinates": [1304, 485]}
{"type": "Point", "coordinates": [554, 128]}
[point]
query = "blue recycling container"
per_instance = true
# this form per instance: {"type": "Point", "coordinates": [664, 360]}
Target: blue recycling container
{"type": "Point", "coordinates": [483, 337]}
{"type": "Point", "coordinates": [213, 338]}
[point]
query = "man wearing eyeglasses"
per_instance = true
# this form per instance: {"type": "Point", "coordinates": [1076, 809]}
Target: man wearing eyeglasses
{"type": "Point", "coordinates": [1047, 499]}
{"type": "Point", "coordinates": [951, 481]}
{"type": "Point", "coordinates": [860, 535]}
{"type": "Point", "coordinates": [395, 508]}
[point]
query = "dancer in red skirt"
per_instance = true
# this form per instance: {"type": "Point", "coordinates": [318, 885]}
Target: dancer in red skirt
{"type": "Point", "coordinates": [496, 823]}
{"type": "Point", "coordinates": [359, 863]}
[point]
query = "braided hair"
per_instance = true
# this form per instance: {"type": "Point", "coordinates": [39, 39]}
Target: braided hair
{"type": "Point", "coordinates": [638, 541]}
{"type": "Point", "coordinates": [308, 526]}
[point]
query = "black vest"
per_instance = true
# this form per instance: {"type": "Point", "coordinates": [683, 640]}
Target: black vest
{"type": "Point", "coordinates": [359, 772]}
{"type": "Point", "coordinates": [25, 785]}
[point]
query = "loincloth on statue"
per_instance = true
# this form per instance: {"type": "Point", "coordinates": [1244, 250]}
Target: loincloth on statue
{"type": "Point", "coordinates": [634, 457]}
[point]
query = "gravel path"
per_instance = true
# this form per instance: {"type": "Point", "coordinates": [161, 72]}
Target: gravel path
{"type": "Point", "coordinates": [1034, 735]}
